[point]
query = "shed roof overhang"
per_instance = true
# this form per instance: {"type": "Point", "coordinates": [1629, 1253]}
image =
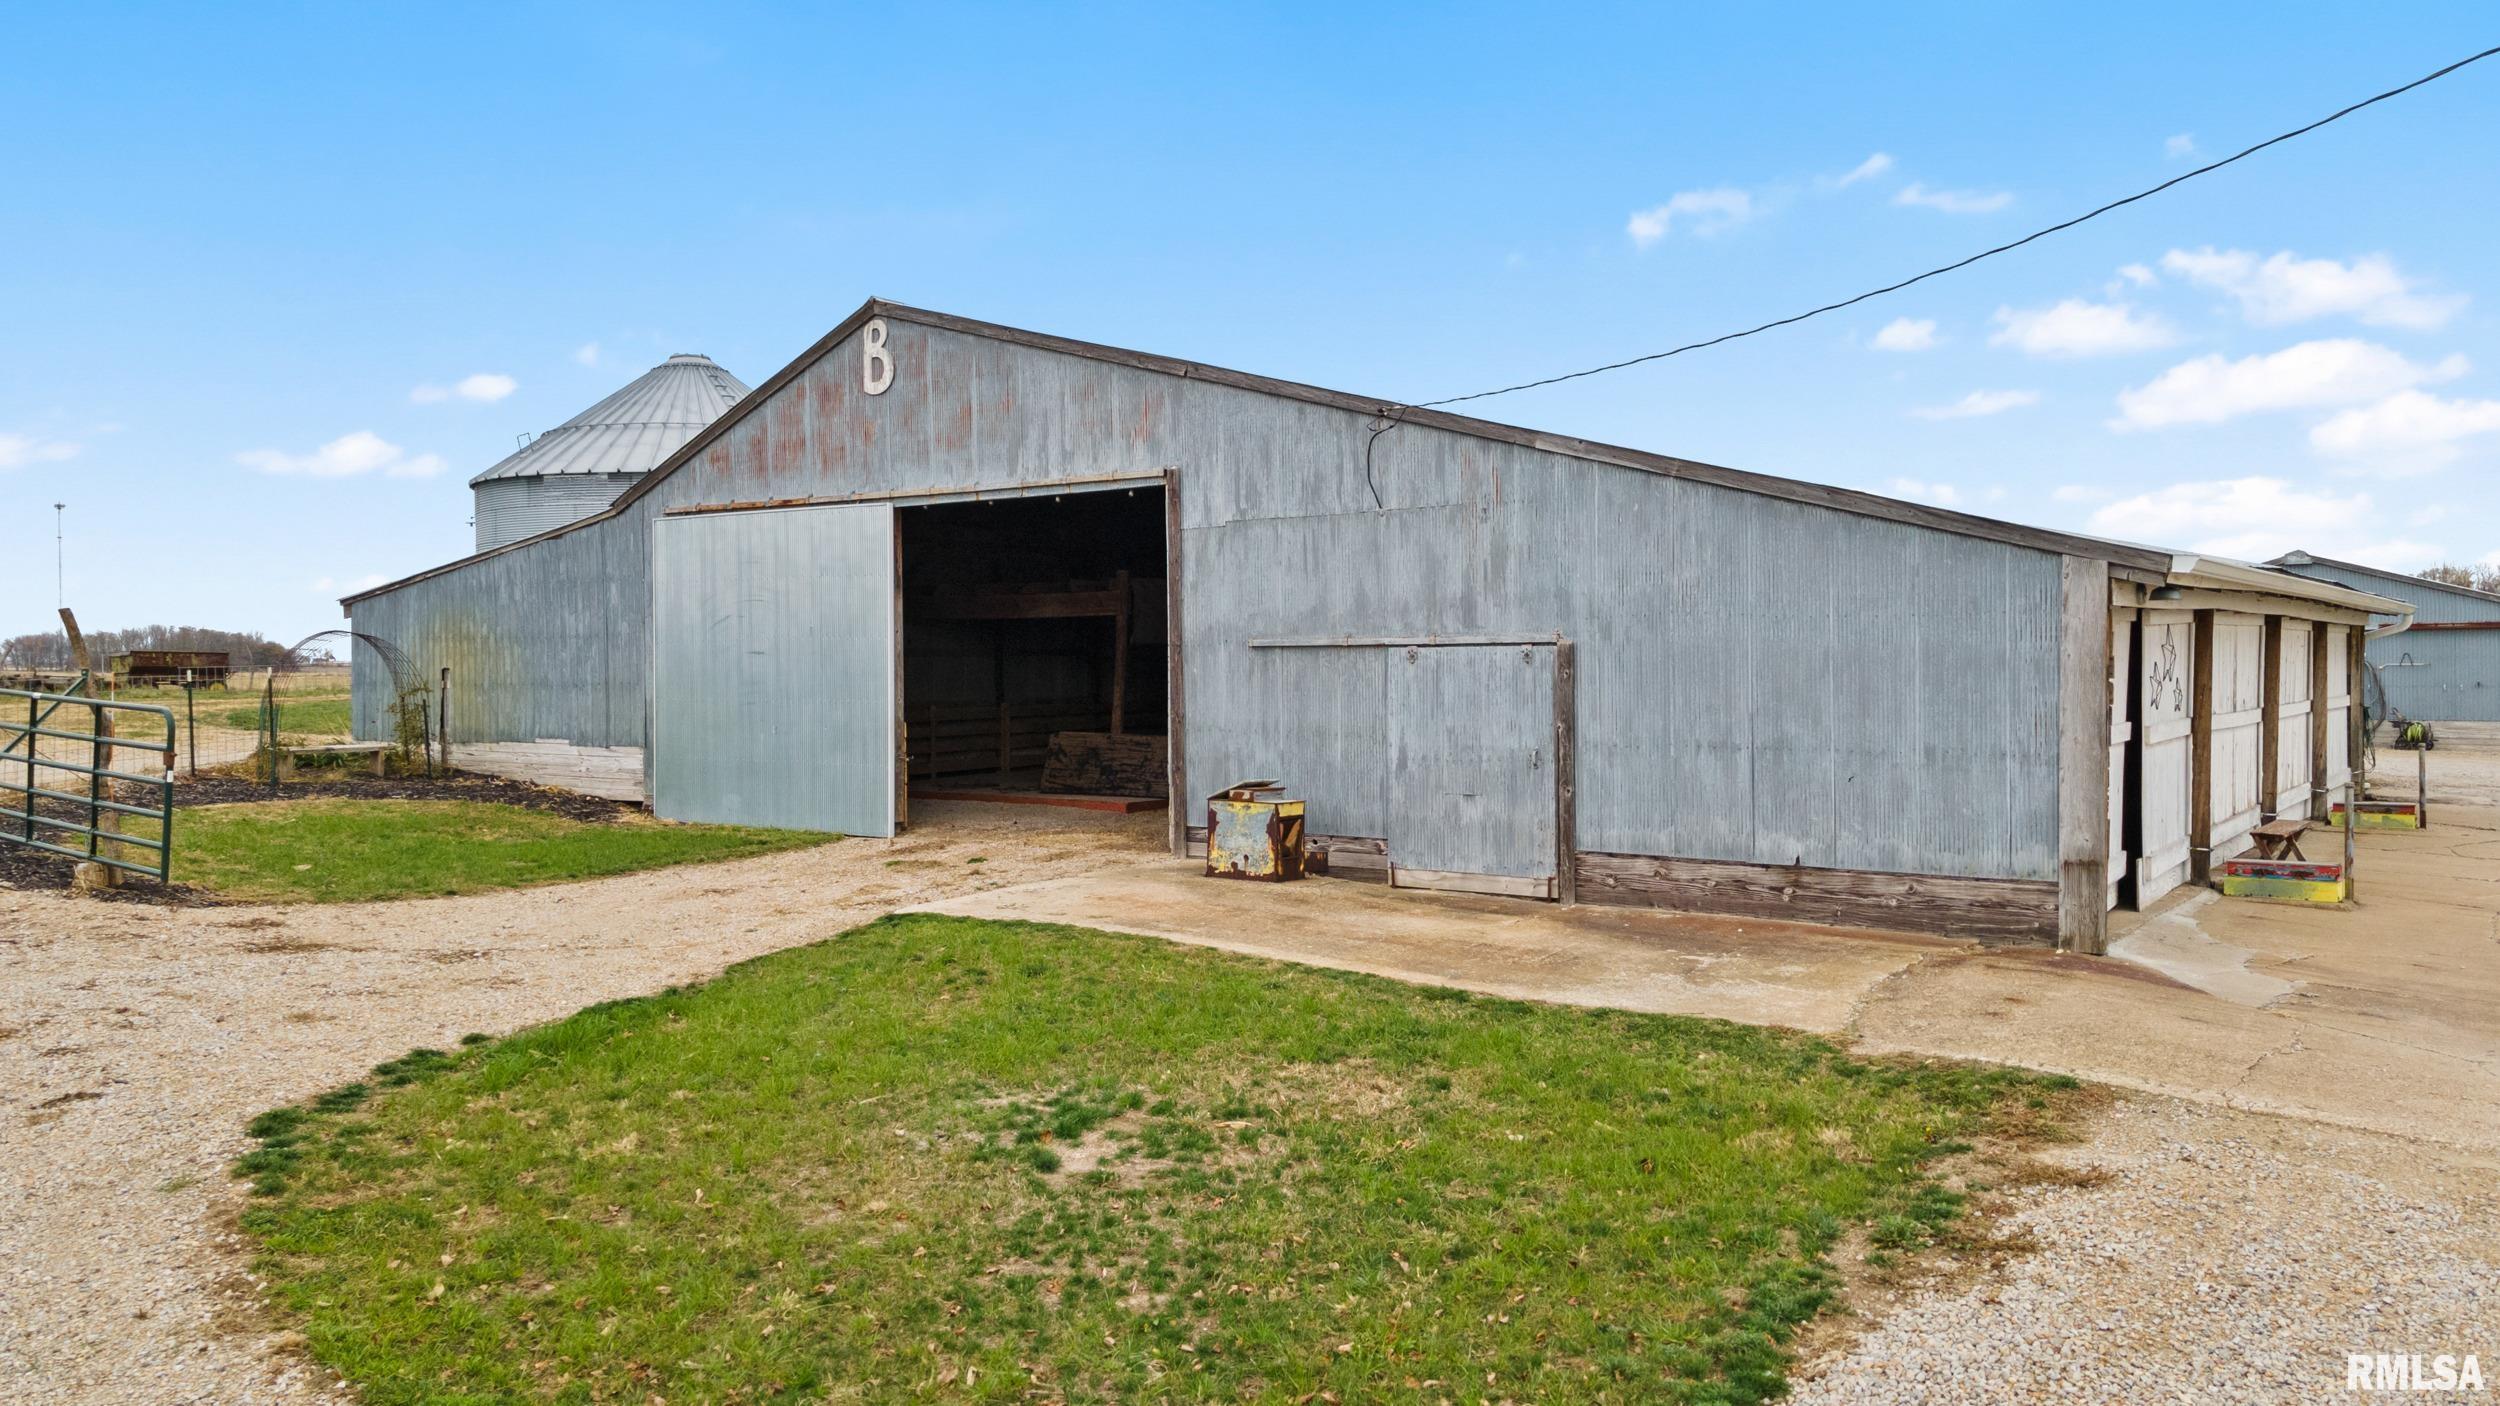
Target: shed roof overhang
{"type": "Point", "coordinates": [2198, 582]}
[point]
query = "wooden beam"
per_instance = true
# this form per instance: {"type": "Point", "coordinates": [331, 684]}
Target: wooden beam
{"type": "Point", "coordinates": [1566, 798]}
{"type": "Point", "coordinates": [2080, 917]}
{"type": "Point", "coordinates": [2025, 911]}
{"type": "Point", "coordinates": [2270, 727]}
{"type": "Point", "coordinates": [2201, 752]}
{"type": "Point", "coordinates": [1022, 605]}
{"type": "Point", "coordinates": [1175, 727]}
{"type": "Point", "coordinates": [2317, 722]}
{"type": "Point", "coordinates": [1119, 659]}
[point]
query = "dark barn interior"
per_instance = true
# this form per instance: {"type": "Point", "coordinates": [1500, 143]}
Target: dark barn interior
{"type": "Point", "coordinates": [1034, 645]}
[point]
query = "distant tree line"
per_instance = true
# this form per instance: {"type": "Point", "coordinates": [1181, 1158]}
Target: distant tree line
{"type": "Point", "coordinates": [2473, 578]}
{"type": "Point", "coordinates": [243, 649]}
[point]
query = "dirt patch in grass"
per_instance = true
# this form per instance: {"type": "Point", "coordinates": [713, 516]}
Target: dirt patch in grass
{"type": "Point", "coordinates": [1881, 1266]}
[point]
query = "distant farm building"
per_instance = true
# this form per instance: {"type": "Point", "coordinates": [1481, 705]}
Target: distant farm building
{"type": "Point", "coordinates": [145, 667]}
{"type": "Point", "coordinates": [1488, 658]}
{"type": "Point", "coordinates": [2445, 666]}
{"type": "Point", "coordinates": [580, 466]}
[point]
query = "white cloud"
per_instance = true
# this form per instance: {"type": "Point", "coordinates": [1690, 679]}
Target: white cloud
{"type": "Point", "coordinates": [1702, 211]}
{"type": "Point", "coordinates": [2408, 432]}
{"type": "Point", "coordinates": [2284, 288]}
{"type": "Point", "coordinates": [2080, 493]}
{"type": "Point", "coordinates": [2077, 328]}
{"type": "Point", "coordinates": [2181, 145]}
{"type": "Point", "coordinates": [2255, 518]}
{"type": "Point", "coordinates": [1979, 403]}
{"type": "Point", "coordinates": [1943, 495]}
{"type": "Point", "coordinates": [587, 353]}
{"type": "Point", "coordinates": [348, 456]}
{"type": "Point", "coordinates": [2135, 276]}
{"type": "Point", "coordinates": [1866, 170]}
{"type": "Point", "coordinates": [485, 386]}
{"type": "Point", "coordinates": [1907, 334]}
{"type": "Point", "coordinates": [2320, 374]}
{"type": "Point", "coordinates": [17, 451]}
{"type": "Point", "coordinates": [1954, 202]}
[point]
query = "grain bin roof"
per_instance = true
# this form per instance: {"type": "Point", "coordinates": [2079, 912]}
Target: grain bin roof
{"type": "Point", "coordinates": [2146, 564]}
{"type": "Point", "coordinates": [633, 430]}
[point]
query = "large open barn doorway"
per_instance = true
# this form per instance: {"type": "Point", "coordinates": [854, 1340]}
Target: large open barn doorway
{"type": "Point", "coordinates": [1035, 649]}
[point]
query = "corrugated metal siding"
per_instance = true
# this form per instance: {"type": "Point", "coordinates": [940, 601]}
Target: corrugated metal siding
{"type": "Point", "coordinates": [550, 642]}
{"type": "Point", "coordinates": [509, 509]}
{"type": "Point", "coordinates": [1759, 680]}
{"type": "Point", "coordinates": [775, 666]}
{"type": "Point", "coordinates": [2430, 600]}
{"type": "Point", "coordinates": [2441, 675]}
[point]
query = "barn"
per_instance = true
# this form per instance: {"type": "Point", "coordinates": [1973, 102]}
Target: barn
{"type": "Point", "coordinates": [2444, 667]}
{"type": "Point", "coordinates": [1488, 658]}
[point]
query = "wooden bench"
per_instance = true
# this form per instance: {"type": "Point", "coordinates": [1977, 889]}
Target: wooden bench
{"type": "Point", "coordinates": [2280, 839]}
{"type": "Point", "coordinates": [289, 754]}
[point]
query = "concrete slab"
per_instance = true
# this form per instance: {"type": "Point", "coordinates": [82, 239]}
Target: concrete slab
{"type": "Point", "coordinates": [2383, 1016]}
{"type": "Point", "coordinates": [1761, 973]}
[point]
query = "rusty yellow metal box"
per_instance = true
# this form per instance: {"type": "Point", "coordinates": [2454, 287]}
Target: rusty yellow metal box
{"type": "Point", "coordinates": [1254, 831]}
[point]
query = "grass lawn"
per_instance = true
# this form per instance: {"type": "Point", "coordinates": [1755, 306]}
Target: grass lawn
{"type": "Point", "coordinates": [945, 1159]}
{"type": "Point", "coordinates": [336, 851]}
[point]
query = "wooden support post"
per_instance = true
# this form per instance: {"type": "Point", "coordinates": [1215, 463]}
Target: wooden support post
{"type": "Point", "coordinates": [1119, 659]}
{"type": "Point", "coordinates": [1006, 743]}
{"type": "Point", "coordinates": [2317, 721]}
{"type": "Point", "coordinates": [1566, 759]}
{"type": "Point", "coordinates": [2083, 708]}
{"type": "Point", "coordinates": [2270, 725]}
{"type": "Point", "coordinates": [2201, 752]}
{"type": "Point", "coordinates": [1176, 733]}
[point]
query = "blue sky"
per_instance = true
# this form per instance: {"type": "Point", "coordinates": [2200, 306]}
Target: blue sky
{"type": "Point", "coordinates": [274, 282]}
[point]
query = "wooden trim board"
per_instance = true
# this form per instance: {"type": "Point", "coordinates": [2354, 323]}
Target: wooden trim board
{"type": "Point", "coordinates": [2015, 911]}
{"type": "Point", "coordinates": [2079, 916]}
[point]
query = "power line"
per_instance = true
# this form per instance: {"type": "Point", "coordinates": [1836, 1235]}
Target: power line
{"type": "Point", "coordinates": [2336, 116]}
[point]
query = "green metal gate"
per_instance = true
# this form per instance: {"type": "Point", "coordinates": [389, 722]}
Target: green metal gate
{"type": "Point", "coordinates": [90, 819]}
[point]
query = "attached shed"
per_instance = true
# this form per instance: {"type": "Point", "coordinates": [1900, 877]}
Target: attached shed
{"type": "Point", "coordinates": [2443, 667]}
{"type": "Point", "coordinates": [1489, 658]}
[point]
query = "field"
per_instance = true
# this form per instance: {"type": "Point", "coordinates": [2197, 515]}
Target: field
{"type": "Point", "coordinates": [939, 1157]}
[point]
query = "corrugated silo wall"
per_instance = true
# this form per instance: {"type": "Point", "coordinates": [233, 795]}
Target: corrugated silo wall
{"type": "Point", "coordinates": [1759, 680]}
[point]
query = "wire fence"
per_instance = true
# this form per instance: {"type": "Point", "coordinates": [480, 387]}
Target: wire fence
{"type": "Point", "coordinates": [226, 729]}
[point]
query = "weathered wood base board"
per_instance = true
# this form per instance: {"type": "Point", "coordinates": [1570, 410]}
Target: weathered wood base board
{"type": "Point", "coordinates": [2020, 911]}
{"type": "Point", "coordinates": [611, 772]}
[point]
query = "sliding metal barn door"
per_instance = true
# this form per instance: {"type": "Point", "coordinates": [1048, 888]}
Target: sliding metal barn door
{"type": "Point", "coordinates": [1472, 785]}
{"type": "Point", "coordinates": [773, 668]}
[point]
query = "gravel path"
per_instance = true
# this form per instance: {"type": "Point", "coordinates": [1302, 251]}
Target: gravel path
{"type": "Point", "coordinates": [135, 1041]}
{"type": "Point", "coordinates": [2231, 1257]}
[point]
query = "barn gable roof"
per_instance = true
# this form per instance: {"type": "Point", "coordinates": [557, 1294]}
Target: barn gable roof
{"type": "Point", "coordinates": [2144, 563]}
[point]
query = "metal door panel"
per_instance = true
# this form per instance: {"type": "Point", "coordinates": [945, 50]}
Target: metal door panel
{"type": "Point", "coordinates": [773, 668]}
{"type": "Point", "coordinates": [1471, 760]}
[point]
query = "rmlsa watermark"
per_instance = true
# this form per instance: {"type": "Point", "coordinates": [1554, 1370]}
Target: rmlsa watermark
{"type": "Point", "coordinates": [2411, 1371]}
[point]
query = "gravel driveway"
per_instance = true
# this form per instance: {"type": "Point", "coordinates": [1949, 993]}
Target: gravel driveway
{"type": "Point", "coordinates": [2229, 1257]}
{"type": "Point", "coordinates": [135, 1041]}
